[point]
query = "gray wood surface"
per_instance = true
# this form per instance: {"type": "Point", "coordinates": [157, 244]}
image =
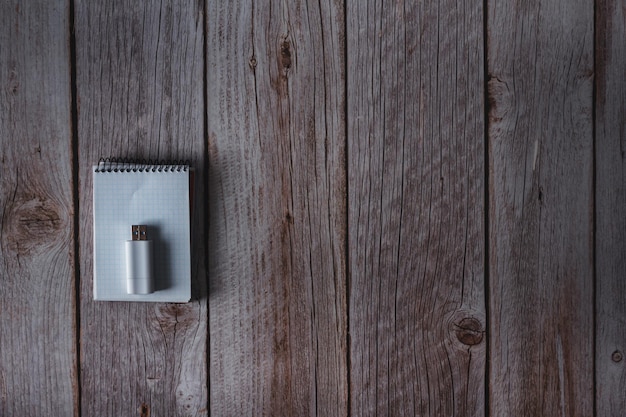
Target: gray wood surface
{"type": "Point", "coordinates": [610, 208]}
{"type": "Point", "coordinates": [416, 208]}
{"type": "Point", "coordinates": [540, 85]}
{"type": "Point", "coordinates": [140, 95]}
{"type": "Point", "coordinates": [37, 296]}
{"type": "Point", "coordinates": [277, 271]}
{"type": "Point", "coordinates": [372, 237]}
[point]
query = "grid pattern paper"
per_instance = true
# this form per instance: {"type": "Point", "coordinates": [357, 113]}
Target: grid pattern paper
{"type": "Point", "coordinates": [159, 200]}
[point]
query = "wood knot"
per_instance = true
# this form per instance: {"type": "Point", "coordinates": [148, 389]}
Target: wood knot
{"type": "Point", "coordinates": [498, 99]}
{"type": "Point", "coordinates": [14, 87]}
{"type": "Point", "coordinates": [285, 55]}
{"type": "Point", "coordinates": [34, 222]}
{"type": "Point", "coordinates": [144, 411]}
{"type": "Point", "coordinates": [175, 317]}
{"type": "Point", "coordinates": [14, 83]}
{"type": "Point", "coordinates": [617, 356]}
{"type": "Point", "coordinates": [469, 331]}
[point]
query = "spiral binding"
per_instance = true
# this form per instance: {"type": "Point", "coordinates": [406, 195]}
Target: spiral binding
{"type": "Point", "coordinates": [140, 165]}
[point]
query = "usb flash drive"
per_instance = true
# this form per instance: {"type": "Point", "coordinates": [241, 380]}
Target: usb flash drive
{"type": "Point", "coordinates": [139, 262]}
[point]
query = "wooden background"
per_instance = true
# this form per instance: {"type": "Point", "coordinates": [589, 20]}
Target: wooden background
{"type": "Point", "coordinates": [403, 208]}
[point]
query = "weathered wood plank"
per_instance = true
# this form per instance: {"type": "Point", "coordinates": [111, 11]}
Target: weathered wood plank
{"type": "Point", "coordinates": [416, 208]}
{"type": "Point", "coordinates": [277, 185]}
{"type": "Point", "coordinates": [610, 208]}
{"type": "Point", "coordinates": [140, 92]}
{"type": "Point", "coordinates": [37, 297]}
{"type": "Point", "coordinates": [540, 66]}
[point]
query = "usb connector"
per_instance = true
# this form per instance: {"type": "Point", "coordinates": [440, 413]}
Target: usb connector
{"type": "Point", "coordinates": [139, 232]}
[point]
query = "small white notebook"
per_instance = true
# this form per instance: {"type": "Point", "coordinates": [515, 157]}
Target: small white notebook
{"type": "Point", "coordinates": [155, 195]}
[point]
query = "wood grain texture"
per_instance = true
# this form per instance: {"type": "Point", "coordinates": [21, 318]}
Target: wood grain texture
{"type": "Point", "coordinates": [610, 239]}
{"type": "Point", "coordinates": [37, 296]}
{"type": "Point", "coordinates": [416, 208]}
{"type": "Point", "coordinates": [540, 66]}
{"type": "Point", "coordinates": [275, 74]}
{"type": "Point", "coordinates": [140, 94]}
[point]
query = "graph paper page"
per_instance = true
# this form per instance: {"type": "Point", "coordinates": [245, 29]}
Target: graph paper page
{"type": "Point", "coordinates": [159, 200]}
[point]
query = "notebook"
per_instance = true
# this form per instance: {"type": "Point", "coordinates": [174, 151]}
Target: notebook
{"type": "Point", "coordinates": [157, 195]}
